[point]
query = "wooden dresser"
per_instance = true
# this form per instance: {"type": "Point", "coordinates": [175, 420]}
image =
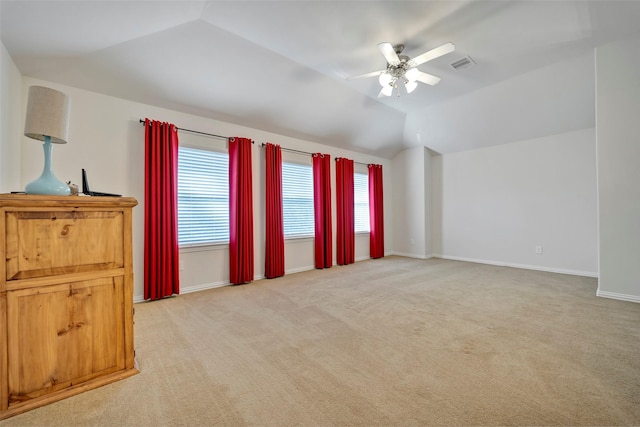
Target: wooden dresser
{"type": "Point", "coordinates": [66, 297]}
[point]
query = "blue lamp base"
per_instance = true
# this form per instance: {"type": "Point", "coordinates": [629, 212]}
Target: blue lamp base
{"type": "Point", "coordinates": [47, 183]}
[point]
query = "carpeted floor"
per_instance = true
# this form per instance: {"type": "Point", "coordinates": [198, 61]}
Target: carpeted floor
{"type": "Point", "coordinates": [388, 342]}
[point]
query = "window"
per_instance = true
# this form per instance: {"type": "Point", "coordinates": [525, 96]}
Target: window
{"type": "Point", "coordinates": [297, 200]}
{"type": "Point", "coordinates": [203, 197]}
{"type": "Point", "coordinates": [361, 202]}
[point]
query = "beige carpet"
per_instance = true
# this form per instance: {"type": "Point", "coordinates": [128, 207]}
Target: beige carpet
{"type": "Point", "coordinates": [389, 342]}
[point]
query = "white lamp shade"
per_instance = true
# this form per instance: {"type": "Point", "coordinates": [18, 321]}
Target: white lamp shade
{"type": "Point", "coordinates": [384, 79]}
{"type": "Point", "coordinates": [47, 115]}
{"type": "Point", "coordinates": [412, 74]}
{"type": "Point", "coordinates": [387, 90]}
{"type": "Point", "coordinates": [411, 86]}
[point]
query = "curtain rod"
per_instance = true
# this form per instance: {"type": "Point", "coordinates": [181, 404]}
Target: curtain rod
{"type": "Point", "coordinates": [311, 154]}
{"type": "Point", "coordinates": [291, 150]}
{"type": "Point", "coordinates": [200, 133]}
{"type": "Point", "coordinates": [358, 163]}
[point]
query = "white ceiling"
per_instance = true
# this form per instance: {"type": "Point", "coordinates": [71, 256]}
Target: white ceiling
{"type": "Point", "coordinates": [281, 66]}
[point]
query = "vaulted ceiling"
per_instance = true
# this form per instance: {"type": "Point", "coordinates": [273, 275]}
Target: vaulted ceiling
{"type": "Point", "coordinates": [281, 66]}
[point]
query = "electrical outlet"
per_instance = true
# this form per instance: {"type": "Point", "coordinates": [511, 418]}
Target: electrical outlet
{"type": "Point", "coordinates": [538, 249]}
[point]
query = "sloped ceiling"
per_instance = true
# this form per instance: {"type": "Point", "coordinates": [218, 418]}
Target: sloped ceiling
{"type": "Point", "coordinates": [281, 66]}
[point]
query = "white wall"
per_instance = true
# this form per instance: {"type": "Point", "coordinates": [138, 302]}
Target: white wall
{"type": "Point", "coordinates": [412, 203]}
{"type": "Point", "coordinates": [618, 148]}
{"type": "Point", "coordinates": [533, 183]}
{"type": "Point", "coordinates": [10, 123]}
{"type": "Point", "coordinates": [546, 101]}
{"type": "Point", "coordinates": [496, 204]}
{"type": "Point", "coordinates": [106, 138]}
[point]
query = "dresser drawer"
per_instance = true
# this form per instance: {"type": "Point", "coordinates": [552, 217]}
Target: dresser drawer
{"type": "Point", "coordinates": [64, 335]}
{"type": "Point", "coordinates": [47, 243]}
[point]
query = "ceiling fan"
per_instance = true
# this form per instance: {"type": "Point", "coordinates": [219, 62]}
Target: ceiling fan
{"type": "Point", "coordinates": [401, 68]}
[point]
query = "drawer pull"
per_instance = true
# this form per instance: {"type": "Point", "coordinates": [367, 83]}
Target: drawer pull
{"type": "Point", "coordinates": [70, 328]}
{"type": "Point", "coordinates": [65, 230]}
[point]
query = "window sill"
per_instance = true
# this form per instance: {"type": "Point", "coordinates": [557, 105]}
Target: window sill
{"type": "Point", "coordinates": [300, 239]}
{"type": "Point", "coordinates": [204, 247]}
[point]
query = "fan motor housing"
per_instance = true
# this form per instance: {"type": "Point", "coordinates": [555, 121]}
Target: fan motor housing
{"type": "Point", "coordinates": [400, 69]}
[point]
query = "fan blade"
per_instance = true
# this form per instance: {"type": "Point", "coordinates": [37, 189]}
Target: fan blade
{"type": "Point", "coordinates": [389, 53]}
{"type": "Point", "coordinates": [427, 78]}
{"type": "Point", "coordinates": [363, 76]}
{"type": "Point", "coordinates": [434, 53]}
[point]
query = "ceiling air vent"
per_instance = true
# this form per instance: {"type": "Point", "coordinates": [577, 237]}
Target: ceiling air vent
{"type": "Point", "coordinates": [465, 62]}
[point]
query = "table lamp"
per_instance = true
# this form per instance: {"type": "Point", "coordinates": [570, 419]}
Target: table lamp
{"type": "Point", "coordinates": [47, 120]}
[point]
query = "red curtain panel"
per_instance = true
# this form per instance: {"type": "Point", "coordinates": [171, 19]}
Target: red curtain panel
{"type": "Point", "coordinates": [376, 215]}
{"type": "Point", "coordinates": [161, 256]}
{"type": "Point", "coordinates": [322, 210]}
{"type": "Point", "coordinates": [345, 238]}
{"type": "Point", "coordinates": [240, 211]}
{"type": "Point", "coordinates": [274, 247]}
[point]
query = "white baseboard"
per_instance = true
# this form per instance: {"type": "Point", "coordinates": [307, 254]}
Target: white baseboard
{"type": "Point", "coordinates": [300, 269]}
{"type": "Point", "coordinates": [188, 290]}
{"type": "Point", "coordinates": [523, 266]}
{"type": "Point", "coordinates": [205, 286]}
{"type": "Point", "coordinates": [407, 255]}
{"type": "Point", "coordinates": [202, 287]}
{"type": "Point", "coordinates": [622, 297]}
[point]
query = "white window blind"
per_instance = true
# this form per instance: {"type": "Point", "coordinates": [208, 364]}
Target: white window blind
{"type": "Point", "coordinates": [203, 197]}
{"type": "Point", "coordinates": [297, 200]}
{"type": "Point", "coordinates": [361, 202]}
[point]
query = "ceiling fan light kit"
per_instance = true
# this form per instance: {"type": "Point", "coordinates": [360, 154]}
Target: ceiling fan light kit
{"type": "Point", "coordinates": [410, 86]}
{"type": "Point", "coordinates": [402, 69]}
